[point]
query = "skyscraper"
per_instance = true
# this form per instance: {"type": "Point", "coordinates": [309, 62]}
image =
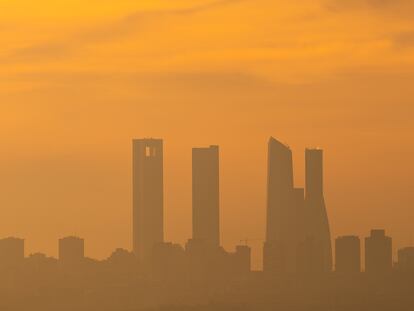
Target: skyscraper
{"type": "Point", "coordinates": [206, 218]}
{"type": "Point", "coordinates": [148, 196]}
{"type": "Point", "coordinates": [281, 221]}
{"type": "Point", "coordinates": [348, 254]}
{"type": "Point", "coordinates": [378, 253]}
{"type": "Point", "coordinates": [319, 230]}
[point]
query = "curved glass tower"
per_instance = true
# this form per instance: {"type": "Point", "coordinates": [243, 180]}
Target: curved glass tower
{"type": "Point", "coordinates": [298, 239]}
{"type": "Point", "coordinates": [279, 249]}
{"type": "Point", "coordinates": [319, 231]}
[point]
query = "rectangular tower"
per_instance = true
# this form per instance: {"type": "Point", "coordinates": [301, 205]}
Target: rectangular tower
{"type": "Point", "coordinates": [206, 195]}
{"type": "Point", "coordinates": [148, 196]}
{"type": "Point", "coordinates": [378, 253]}
{"type": "Point", "coordinates": [281, 218]}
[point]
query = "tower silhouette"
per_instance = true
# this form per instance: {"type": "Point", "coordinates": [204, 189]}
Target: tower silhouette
{"type": "Point", "coordinates": [206, 218]}
{"type": "Point", "coordinates": [148, 196]}
{"type": "Point", "coordinates": [378, 253]}
{"type": "Point", "coordinates": [319, 230]}
{"type": "Point", "coordinates": [281, 221]}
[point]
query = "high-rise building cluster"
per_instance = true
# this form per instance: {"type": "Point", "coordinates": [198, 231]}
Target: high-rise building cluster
{"type": "Point", "coordinates": [202, 256]}
{"type": "Point", "coordinates": [298, 256]}
{"type": "Point", "coordinates": [297, 234]}
{"type": "Point", "coordinates": [297, 242]}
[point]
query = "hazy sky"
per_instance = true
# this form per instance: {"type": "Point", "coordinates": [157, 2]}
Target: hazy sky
{"type": "Point", "coordinates": [80, 79]}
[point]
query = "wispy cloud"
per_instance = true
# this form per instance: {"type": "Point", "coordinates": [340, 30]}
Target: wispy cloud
{"type": "Point", "coordinates": [138, 21]}
{"type": "Point", "coordinates": [404, 39]}
{"type": "Point", "coordinates": [384, 6]}
{"type": "Point", "coordinates": [204, 7]}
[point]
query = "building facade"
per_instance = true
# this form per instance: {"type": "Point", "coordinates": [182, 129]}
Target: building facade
{"type": "Point", "coordinates": [206, 195]}
{"type": "Point", "coordinates": [318, 227]}
{"type": "Point", "coordinates": [148, 196]}
{"type": "Point", "coordinates": [378, 253]}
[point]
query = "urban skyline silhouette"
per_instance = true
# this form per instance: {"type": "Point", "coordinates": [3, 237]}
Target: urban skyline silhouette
{"type": "Point", "coordinates": [206, 155]}
{"type": "Point", "coordinates": [297, 252]}
{"type": "Point", "coordinates": [290, 201]}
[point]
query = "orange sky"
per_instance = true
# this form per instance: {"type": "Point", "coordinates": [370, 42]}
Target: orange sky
{"type": "Point", "coordinates": [80, 79]}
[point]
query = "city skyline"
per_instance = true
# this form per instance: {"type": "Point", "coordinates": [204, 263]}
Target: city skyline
{"type": "Point", "coordinates": [299, 269]}
{"type": "Point", "coordinates": [206, 155]}
{"type": "Point", "coordinates": [296, 216]}
{"type": "Point", "coordinates": [79, 79]}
